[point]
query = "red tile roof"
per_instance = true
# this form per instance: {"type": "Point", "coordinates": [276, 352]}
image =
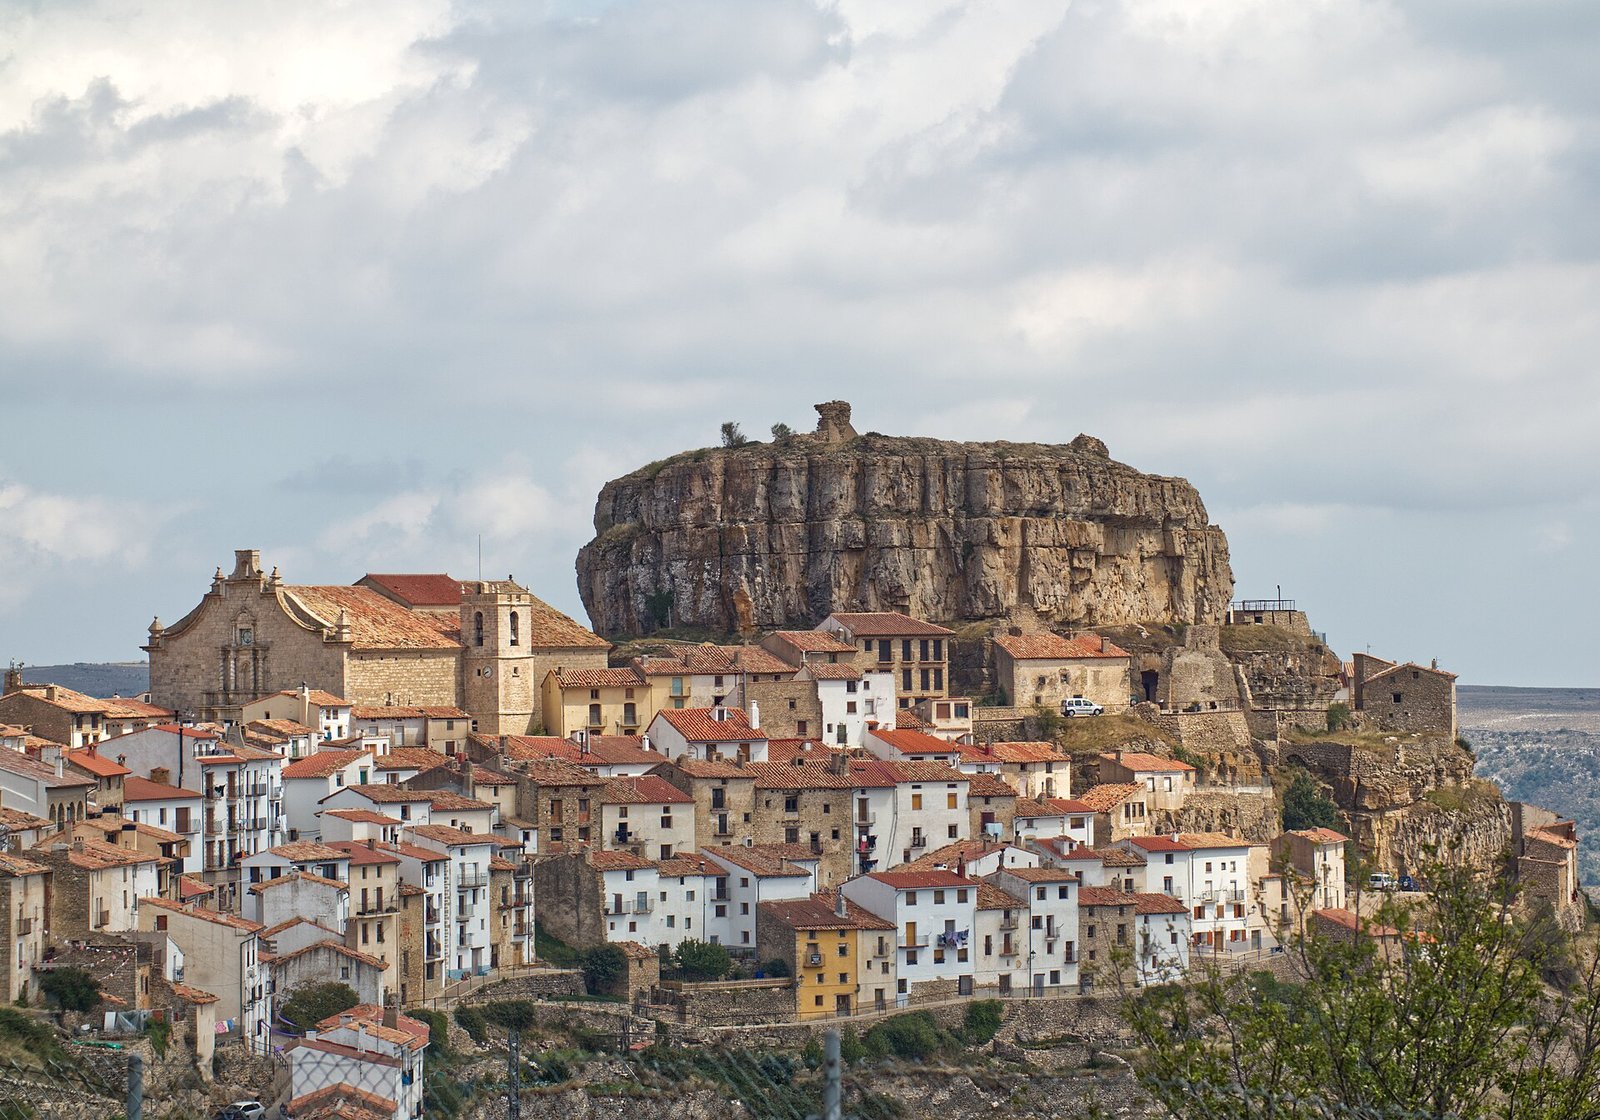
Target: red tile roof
{"type": "Point", "coordinates": [616, 861]}
{"type": "Point", "coordinates": [1158, 844]}
{"type": "Point", "coordinates": [1043, 874]}
{"type": "Point", "coordinates": [824, 671]}
{"type": "Point", "coordinates": [887, 624]}
{"type": "Point", "coordinates": [1054, 647]}
{"type": "Point", "coordinates": [323, 764]}
{"type": "Point", "coordinates": [90, 760]}
{"type": "Point", "coordinates": [362, 854]}
{"type": "Point", "coordinates": [375, 622]}
{"type": "Point", "coordinates": [813, 641]}
{"type": "Point", "coordinates": [217, 918]}
{"type": "Point", "coordinates": [645, 790]}
{"type": "Point", "coordinates": [135, 788]}
{"type": "Point", "coordinates": [305, 851]}
{"type": "Point", "coordinates": [1022, 752]}
{"type": "Point", "coordinates": [916, 880]}
{"type": "Point", "coordinates": [362, 816]}
{"type": "Point", "coordinates": [989, 785]}
{"type": "Point", "coordinates": [1141, 762]}
{"type": "Point", "coordinates": [698, 725]}
{"type": "Point", "coordinates": [1202, 840]}
{"type": "Point", "coordinates": [365, 713]}
{"type": "Point", "coordinates": [603, 750]}
{"type": "Point", "coordinates": [807, 913]}
{"type": "Point", "coordinates": [1106, 796]}
{"type": "Point", "coordinates": [430, 589]}
{"type": "Point", "coordinates": [1320, 835]}
{"type": "Point", "coordinates": [1141, 902]}
{"type": "Point", "coordinates": [411, 758]}
{"type": "Point", "coordinates": [600, 678]}
{"type": "Point", "coordinates": [914, 742]}
{"type": "Point", "coordinates": [451, 837]}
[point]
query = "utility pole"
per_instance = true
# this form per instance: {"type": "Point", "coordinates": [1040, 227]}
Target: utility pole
{"type": "Point", "coordinates": [514, 1074]}
{"type": "Point", "coordinates": [832, 1076]}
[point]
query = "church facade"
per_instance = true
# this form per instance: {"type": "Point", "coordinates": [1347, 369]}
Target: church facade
{"type": "Point", "coordinates": [253, 635]}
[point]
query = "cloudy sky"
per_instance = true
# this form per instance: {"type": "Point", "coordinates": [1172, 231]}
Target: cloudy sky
{"type": "Point", "coordinates": [354, 282]}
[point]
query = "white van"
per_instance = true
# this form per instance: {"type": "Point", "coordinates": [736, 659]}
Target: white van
{"type": "Point", "coordinates": [1380, 881]}
{"type": "Point", "coordinates": [1079, 706]}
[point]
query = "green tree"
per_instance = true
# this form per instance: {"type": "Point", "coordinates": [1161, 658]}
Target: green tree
{"type": "Point", "coordinates": [71, 988]}
{"type": "Point", "coordinates": [1441, 1014]}
{"type": "Point", "coordinates": [603, 966]}
{"type": "Point", "coordinates": [1338, 716]}
{"type": "Point", "coordinates": [439, 1048]}
{"type": "Point", "coordinates": [780, 430]}
{"type": "Point", "coordinates": [471, 1020]}
{"type": "Point", "coordinates": [982, 1021]}
{"type": "Point", "coordinates": [511, 1014]}
{"type": "Point", "coordinates": [701, 960]}
{"type": "Point", "coordinates": [309, 1004]}
{"type": "Point", "coordinates": [732, 435]}
{"type": "Point", "coordinates": [1304, 806]}
{"type": "Point", "coordinates": [777, 968]}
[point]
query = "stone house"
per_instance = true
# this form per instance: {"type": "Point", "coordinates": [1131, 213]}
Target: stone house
{"type": "Point", "coordinates": [168, 848]}
{"type": "Point", "coordinates": [364, 1062]}
{"type": "Point", "coordinates": [1045, 668]}
{"type": "Point", "coordinates": [557, 798]}
{"type": "Point", "coordinates": [724, 798]}
{"type": "Point", "coordinates": [413, 981]}
{"type": "Point", "coordinates": [709, 733]}
{"type": "Point", "coordinates": [329, 961]}
{"type": "Point", "coordinates": [1166, 781]}
{"type": "Point", "coordinates": [511, 887]}
{"type": "Point", "coordinates": [329, 715]}
{"type": "Point", "coordinates": [1121, 810]}
{"type": "Point", "coordinates": [895, 744]}
{"type": "Point", "coordinates": [221, 955]}
{"type": "Point", "coordinates": [649, 816]}
{"type": "Point", "coordinates": [950, 720]}
{"type": "Point", "coordinates": [1317, 856]}
{"type": "Point", "coordinates": [24, 910]}
{"type": "Point", "coordinates": [592, 897]}
{"type": "Point", "coordinates": [1406, 697]}
{"type": "Point", "coordinates": [300, 895]}
{"type": "Point", "coordinates": [790, 708]}
{"type": "Point", "coordinates": [808, 647]}
{"type": "Point", "coordinates": [427, 921]}
{"type": "Point", "coordinates": [916, 652]}
{"type": "Point", "coordinates": [849, 701]}
{"type": "Point", "coordinates": [1546, 850]}
{"type": "Point", "coordinates": [809, 803]}
{"type": "Point", "coordinates": [933, 912]}
{"type": "Point", "coordinates": [991, 807]}
{"type": "Point", "coordinates": [1149, 933]}
{"type": "Point", "coordinates": [641, 973]}
{"type": "Point", "coordinates": [56, 713]}
{"type": "Point", "coordinates": [95, 887]}
{"type": "Point", "coordinates": [711, 676]}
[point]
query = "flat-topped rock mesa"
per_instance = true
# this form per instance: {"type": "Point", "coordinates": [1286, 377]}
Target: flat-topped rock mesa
{"type": "Point", "coordinates": [732, 540]}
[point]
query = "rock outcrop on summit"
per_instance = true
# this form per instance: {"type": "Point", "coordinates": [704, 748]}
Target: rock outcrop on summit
{"type": "Point", "coordinates": [731, 540]}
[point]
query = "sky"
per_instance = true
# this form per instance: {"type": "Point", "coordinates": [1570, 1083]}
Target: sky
{"type": "Point", "coordinates": [356, 282]}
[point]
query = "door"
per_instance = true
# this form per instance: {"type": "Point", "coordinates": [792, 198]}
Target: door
{"type": "Point", "coordinates": [1038, 983]}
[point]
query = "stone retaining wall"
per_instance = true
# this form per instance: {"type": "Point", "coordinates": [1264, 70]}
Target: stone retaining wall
{"type": "Point", "coordinates": [543, 983]}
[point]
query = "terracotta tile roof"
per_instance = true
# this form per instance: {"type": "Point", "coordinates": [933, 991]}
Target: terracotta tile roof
{"type": "Point", "coordinates": [559, 772]}
{"type": "Point", "coordinates": [305, 851]}
{"type": "Point", "coordinates": [989, 785]}
{"type": "Point", "coordinates": [604, 750]}
{"type": "Point", "coordinates": [331, 946]}
{"type": "Point", "coordinates": [409, 1032]}
{"type": "Point", "coordinates": [1042, 874]}
{"type": "Point", "coordinates": [365, 713]}
{"type": "Point", "coordinates": [375, 622]}
{"type": "Point", "coordinates": [1140, 762]}
{"type": "Point", "coordinates": [90, 759]}
{"type": "Point", "coordinates": [1017, 752]}
{"type": "Point", "coordinates": [369, 1055]}
{"type": "Point", "coordinates": [710, 768]}
{"type": "Point", "coordinates": [417, 852]}
{"type": "Point", "coordinates": [1547, 835]}
{"type": "Point", "coordinates": [785, 750]}
{"type": "Point", "coordinates": [193, 995]}
{"type": "Point", "coordinates": [484, 776]}
{"type": "Point", "coordinates": [233, 921]}
{"type": "Point", "coordinates": [1054, 647]}
{"type": "Point", "coordinates": [59, 696]}
{"type": "Point", "coordinates": [1320, 835]}
{"type": "Point", "coordinates": [190, 887]}
{"type": "Point", "coordinates": [450, 802]}
{"type": "Point", "coordinates": [115, 826]}
{"type": "Point", "coordinates": [96, 855]}
{"type": "Point", "coordinates": [1142, 902]}
{"type": "Point", "coordinates": [18, 821]}
{"type": "Point", "coordinates": [362, 854]}
{"type": "Point", "coordinates": [599, 678]}
{"type": "Point", "coordinates": [762, 864]}
{"type": "Point", "coordinates": [1108, 795]}
{"type": "Point", "coordinates": [496, 863]}
{"type": "Point", "coordinates": [616, 861]}
{"type": "Point", "coordinates": [1110, 857]}
{"type": "Point", "coordinates": [411, 758]}
{"type": "Point", "coordinates": [914, 742]}
{"type": "Point", "coordinates": [422, 589]}
{"type": "Point", "coordinates": [918, 880]}
{"type": "Point", "coordinates": [823, 671]}
{"type": "Point", "coordinates": [991, 896]}
{"type": "Point", "coordinates": [888, 624]}
{"type": "Point", "coordinates": [949, 855]}
{"type": "Point", "coordinates": [686, 865]}
{"type": "Point", "coordinates": [697, 725]}
{"type": "Point", "coordinates": [1202, 840]}
{"type": "Point", "coordinates": [907, 720]}
{"type": "Point", "coordinates": [188, 732]}
{"type": "Point", "coordinates": [444, 712]}
{"type": "Point", "coordinates": [315, 696]}
{"type": "Point", "coordinates": [342, 1102]}
{"type": "Point", "coordinates": [323, 764]}
{"type": "Point", "coordinates": [450, 837]}
{"type": "Point", "coordinates": [362, 816]}
{"type": "Point", "coordinates": [16, 865]}
{"type": "Point", "coordinates": [806, 913]}
{"type": "Point", "coordinates": [127, 707]}
{"type": "Point", "coordinates": [25, 767]}
{"type": "Point", "coordinates": [927, 772]}
{"type": "Point", "coordinates": [385, 793]}
{"type": "Point", "coordinates": [635, 951]}
{"type": "Point", "coordinates": [645, 790]}
{"type": "Point", "coordinates": [864, 918]}
{"type": "Point", "coordinates": [813, 641]}
{"type": "Point", "coordinates": [1345, 919]}
{"type": "Point", "coordinates": [1413, 666]}
{"type": "Point", "coordinates": [288, 728]}
{"type": "Point", "coordinates": [1158, 844]}
{"type": "Point", "coordinates": [297, 877]}
{"type": "Point", "coordinates": [799, 775]}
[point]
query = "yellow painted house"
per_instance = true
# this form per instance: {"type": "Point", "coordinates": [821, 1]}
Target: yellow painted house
{"type": "Point", "coordinates": [599, 701]}
{"type": "Point", "coordinates": [820, 946]}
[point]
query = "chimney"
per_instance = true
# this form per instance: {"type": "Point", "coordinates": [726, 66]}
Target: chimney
{"type": "Point", "coordinates": [50, 692]}
{"type": "Point", "coordinates": [755, 711]}
{"type": "Point", "coordinates": [372, 844]}
{"type": "Point", "coordinates": [305, 692]}
{"type": "Point", "coordinates": [1105, 644]}
{"type": "Point", "coordinates": [159, 775]}
{"type": "Point", "coordinates": [77, 843]}
{"type": "Point", "coordinates": [961, 865]}
{"type": "Point", "coordinates": [839, 906]}
{"type": "Point", "coordinates": [1435, 662]}
{"type": "Point", "coordinates": [644, 741]}
{"type": "Point", "coordinates": [391, 1017]}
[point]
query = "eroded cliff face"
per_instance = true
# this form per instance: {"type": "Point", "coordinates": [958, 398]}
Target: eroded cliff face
{"type": "Point", "coordinates": [780, 535]}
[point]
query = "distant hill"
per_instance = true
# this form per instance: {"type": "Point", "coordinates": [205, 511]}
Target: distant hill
{"type": "Point", "coordinates": [106, 678]}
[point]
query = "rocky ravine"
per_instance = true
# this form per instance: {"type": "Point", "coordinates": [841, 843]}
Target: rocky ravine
{"type": "Point", "coordinates": [781, 534]}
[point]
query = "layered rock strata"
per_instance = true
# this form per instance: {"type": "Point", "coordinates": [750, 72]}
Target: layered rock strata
{"type": "Point", "coordinates": [732, 540]}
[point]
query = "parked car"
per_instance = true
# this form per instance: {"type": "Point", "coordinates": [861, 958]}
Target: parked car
{"type": "Point", "coordinates": [1380, 881]}
{"type": "Point", "coordinates": [1407, 883]}
{"type": "Point", "coordinates": [243, 1110]}
{"type": "Point", "coordinates": [1079, 706]}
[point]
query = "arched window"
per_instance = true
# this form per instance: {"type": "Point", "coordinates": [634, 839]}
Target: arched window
{"type": "Point", "coordinates": [477, 628]}
{"type": "Point", "coordinates": [514, 633]}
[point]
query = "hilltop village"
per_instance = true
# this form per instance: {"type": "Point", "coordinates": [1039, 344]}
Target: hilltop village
{"type": "Point", "coordinates": [415, 785]}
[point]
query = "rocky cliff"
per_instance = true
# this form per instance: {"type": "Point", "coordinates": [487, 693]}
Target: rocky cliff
{"type": "Point", "coordinates": [774, 535]}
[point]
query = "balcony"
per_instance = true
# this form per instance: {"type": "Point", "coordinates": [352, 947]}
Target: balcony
{"type": "Point", "coordinates": [918, 942]}
{"type": "Point", "coordinates": [1008, 923]}
{"type": "Point", "coordinates": [469, 879]}
{"type": "Point", "coordinates": [630, 906]}
{"type": "Point", "coordinates": [434, 950]}
{"type": "Point", "coordinates": [377, 907]}
{"type": "Point", "coordinates": [517, 901]}
{"type": "Point", "coordinates": [919, 841]}
{"type": "Point", "coordinates": [866, 820]}
{"type": "Point", "coordinates": [623, 836]}
{"type": "Point", "coordinates": [722, 830]}
{"type": "Point", "coordinates": [430, 915]}
{"type": "Point", "coordinates": [1007, 949]}
{"type": "Point", "coordinates": [102, 919]}
{"type": "Point", "coordinates": [814, 960]}
{"type": "Point", "coordinates": [24, 926]}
